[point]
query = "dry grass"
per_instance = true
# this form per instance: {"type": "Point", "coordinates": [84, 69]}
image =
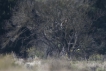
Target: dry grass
{"type": "Point", "coordinates": [89, 65]}
{"type": "Point", "coordinates": [7, 64]}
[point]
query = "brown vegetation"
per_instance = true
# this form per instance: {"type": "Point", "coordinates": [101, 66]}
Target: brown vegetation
{"type": "Point", "coordinates": [8, 64]}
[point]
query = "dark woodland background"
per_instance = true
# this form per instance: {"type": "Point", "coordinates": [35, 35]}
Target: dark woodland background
{"type": "Point", "coordinates": [53, 28]}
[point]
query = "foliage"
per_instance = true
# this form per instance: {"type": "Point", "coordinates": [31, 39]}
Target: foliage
{"type": "Point", "coordinates": [56, 28]}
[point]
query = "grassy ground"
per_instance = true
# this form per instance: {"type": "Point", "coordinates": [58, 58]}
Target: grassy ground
{"type": "Point", "coordinates": [7, 64]}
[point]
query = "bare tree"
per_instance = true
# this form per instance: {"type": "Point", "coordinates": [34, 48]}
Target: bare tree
{"type": "Point", "coordinates": [54, 27]}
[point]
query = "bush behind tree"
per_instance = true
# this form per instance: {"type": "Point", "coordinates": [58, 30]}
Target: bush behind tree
{"type": "Point", "coordinates": [55, 28]}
